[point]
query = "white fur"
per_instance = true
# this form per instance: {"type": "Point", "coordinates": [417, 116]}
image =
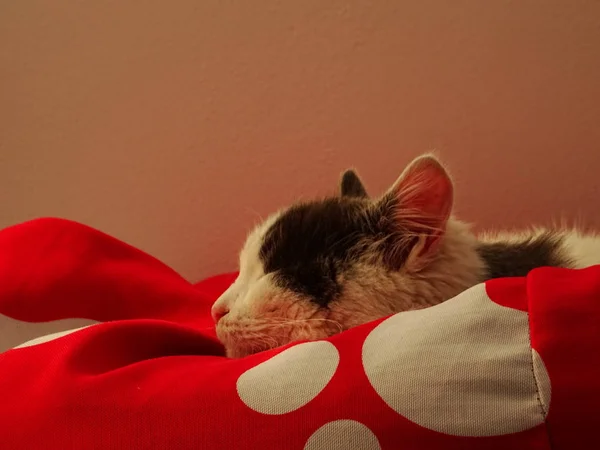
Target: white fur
{"type": "Point", "coordinates": [251, 269]}
{"type": "Point", "coordinates": [583, 249]}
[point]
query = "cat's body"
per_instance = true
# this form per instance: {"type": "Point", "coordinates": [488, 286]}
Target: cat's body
{"type": "Point", "coordinates": [321, 267]}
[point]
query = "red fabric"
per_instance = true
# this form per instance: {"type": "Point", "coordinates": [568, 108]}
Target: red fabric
{"type": "Point", "coordinates": [153, 375]}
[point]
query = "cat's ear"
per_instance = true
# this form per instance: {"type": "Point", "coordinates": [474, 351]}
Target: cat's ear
{"type": "Point", "coordinates": [417, 208]}
{"type": "Point", "coordinates": [351, 186]}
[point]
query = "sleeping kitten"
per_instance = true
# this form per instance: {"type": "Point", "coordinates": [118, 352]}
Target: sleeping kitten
{"type": "Point", "coordinates": [318, 268]}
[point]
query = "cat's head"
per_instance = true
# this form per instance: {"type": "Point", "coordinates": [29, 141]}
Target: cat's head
{"type": "Point", "coordinates": [318, 268]}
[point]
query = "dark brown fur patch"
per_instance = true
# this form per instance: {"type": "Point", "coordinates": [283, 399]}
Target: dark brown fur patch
{"type": "Point", "coordinates": [351, 186]}
{"type": "Point", "coordinates": [517, 259]}
{"type": "Point", "coordinates": [311, 243]}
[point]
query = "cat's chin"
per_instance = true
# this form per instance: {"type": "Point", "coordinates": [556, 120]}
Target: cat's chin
{"type": "Point", "coordinates": [237, 345]}
{"type": "Point", "coordinates": [241, 348]}
{"type": "Point", "coordinates": [245, 337]}
{"type": "Point", "coordinates": [237, 351]}
{"type": "Point", "coordinates": [240, 352]}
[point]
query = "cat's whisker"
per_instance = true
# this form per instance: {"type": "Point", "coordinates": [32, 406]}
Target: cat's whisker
{"type": "Point", "coordinates": [255, 213]}
{"type": "Point", "coordinates": [278, 323]}
{"type": "Point", "coordinates": [299, 320]}
{"type": "Point", "coordinates": [264, 341]}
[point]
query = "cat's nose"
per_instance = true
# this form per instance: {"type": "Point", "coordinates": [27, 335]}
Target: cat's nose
{"type": "Point", "coordinates": [218, 312]}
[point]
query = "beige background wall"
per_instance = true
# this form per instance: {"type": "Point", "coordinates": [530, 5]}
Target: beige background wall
{"type": "Point", "coordinates": [174, 125]}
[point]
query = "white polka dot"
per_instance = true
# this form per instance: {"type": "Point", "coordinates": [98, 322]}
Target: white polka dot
{"type": "Point", "coordinates": [290, 379]}
{"type": "Point", "coordinates": [343, 435]}
{"type": "Point", "coordinates": [463, 367]}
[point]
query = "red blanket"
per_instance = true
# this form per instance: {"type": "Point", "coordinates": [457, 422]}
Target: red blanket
{"type": "Point", "coordinates": [514, 363]}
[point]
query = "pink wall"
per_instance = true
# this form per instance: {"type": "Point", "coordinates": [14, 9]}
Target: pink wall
{"type": "Point", "coordinates": [174, 127]}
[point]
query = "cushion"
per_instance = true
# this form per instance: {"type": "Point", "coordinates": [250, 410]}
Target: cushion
{"type": "Point", "coordinates": [512, 363]}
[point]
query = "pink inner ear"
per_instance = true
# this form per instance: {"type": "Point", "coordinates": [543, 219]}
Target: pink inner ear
{"type": "Point", "coordinates": [437, 194]}
{"type": "Point", "coordinates": [427, 188]}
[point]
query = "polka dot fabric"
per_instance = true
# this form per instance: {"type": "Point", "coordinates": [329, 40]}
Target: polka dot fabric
{"type": "Point", "coordinates": [511, 363]}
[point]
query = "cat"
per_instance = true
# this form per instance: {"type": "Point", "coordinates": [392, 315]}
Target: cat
{"type": "Point", "coordinates": [318, 268]}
